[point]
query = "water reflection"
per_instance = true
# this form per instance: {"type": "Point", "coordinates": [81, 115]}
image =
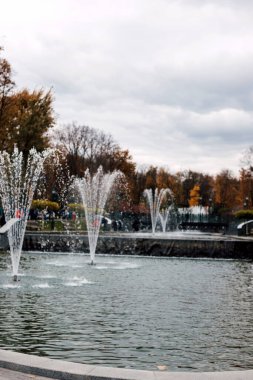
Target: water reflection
{"type": "Point", "coordinates": [130, 312]}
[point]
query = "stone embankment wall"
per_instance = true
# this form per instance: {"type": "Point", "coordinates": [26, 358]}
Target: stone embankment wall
{"type": "Point", "coordinates": [147, 246]}
{"type": "Point", "coordinates": [4, 244]}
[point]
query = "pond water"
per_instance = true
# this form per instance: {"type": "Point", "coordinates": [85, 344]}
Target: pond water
{"type": "Point", "coordinates": [131, 312]}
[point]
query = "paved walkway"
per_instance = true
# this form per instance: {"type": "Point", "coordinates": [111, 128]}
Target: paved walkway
{"type": "Point", "coordinates": [6, 374]}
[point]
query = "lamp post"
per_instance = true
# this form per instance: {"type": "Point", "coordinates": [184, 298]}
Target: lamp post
{"type": "Point", "coordinates": [246, 203]}
{"type": "Point", "coordinates": [54, 196]}
{"type": "Point", "coordinates": [210, 209]}
{"type": "Point", "coordinates": [200, 209]}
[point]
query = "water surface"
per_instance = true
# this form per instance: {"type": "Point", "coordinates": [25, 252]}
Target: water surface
{"type": "Point", "coordinates": [131, 312]}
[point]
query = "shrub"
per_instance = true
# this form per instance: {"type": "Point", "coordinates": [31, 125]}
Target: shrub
{"type": "Point", "coordinates": [244, 214]}
{"type": "Point", "coordinates": [42, 204]}
{"type": "Point", "coordinates": [76, 207]}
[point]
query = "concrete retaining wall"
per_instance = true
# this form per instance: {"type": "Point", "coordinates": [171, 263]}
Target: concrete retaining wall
{"type": "Point", "coordinates": [213, 247]}
{"type": "Point", "coordinates": [58, 369]}
{"type": "Point", "coordinates": [4, 244]}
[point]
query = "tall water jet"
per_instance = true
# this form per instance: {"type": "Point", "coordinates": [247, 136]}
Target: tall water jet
{"type": "Point", "coordinates": [155, 201]}
{"type": "Point", "coordinates": [94, 191]}
{"type": "Point", "coordinates": [166, 213]}
{"type": "Point", "coordinates": [194, 214]}
{"type": "Point", "coordinates": [164, 216]}
{"type": "Point", "coordinates": [18, 181]}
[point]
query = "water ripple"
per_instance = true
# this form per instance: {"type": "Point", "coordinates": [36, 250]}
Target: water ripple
{"type": "Point", "coordinates": [154, 314]}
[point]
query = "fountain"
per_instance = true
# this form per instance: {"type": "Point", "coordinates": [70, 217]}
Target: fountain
{"type": "Point", "coordinates": [165, 216]}
{"type": "Point", "coordinates": [199, 340]}
{"type": "Point", "coordinates": [94, 192]}
{"type": "Point", "coordinates": [17, 184]}
{"type": "Point", "coordinates": [155, 201]}
{"type": "Point", "coordinates": [166, 213]}
{"type": "Point", "coordinates": [194, 214]}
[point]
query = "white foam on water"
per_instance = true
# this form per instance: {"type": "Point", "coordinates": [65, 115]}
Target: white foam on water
{"type": "Point", "coordinates": [42, 286]}
{"type": "Point", "coordinates": [121, 266]}
{"type": "Point", "coordinates": [77, 281]}
{"type": "Point", "coordinates": [57, 264]}
{"type": "Point", "coordinates": [11, 286]}
{"type": "Point", "coordinates": [101, 267]}
{"type": "Point", "coordinates": [46, 276]}
{"type": "Point", "coordinates": [72, 284]}
{"type": "Point", "coordinates": [84, 281]}
{"type": "Point", "coordinates": [127, 266]}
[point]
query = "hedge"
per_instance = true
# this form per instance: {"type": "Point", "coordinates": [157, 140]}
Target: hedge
{"type": "Point", "coordinates": [244, 214]}
{"type": "Point", "coordinates": [42, 204]}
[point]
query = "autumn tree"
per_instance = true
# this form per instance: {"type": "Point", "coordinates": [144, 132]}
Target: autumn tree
{"type": "Point", "coordinates": [144, 178]}
{"type": "Point", "coordinates": [227, 190]}
{"type": "Point", "coordinates": [6, 89]}
{"type": "Point", "coordinates": [187, 180]}
{"type": "Point", "coordinates": [55, 183]}
{"type": "Point", "coordinates": [87, 147]}
{"type": "Point", "coordinates": [206, 183]}
{"type": "Point", "coordinates": [246, 178]}
{"type": "Point", "coordinates": [82, 146]}
{"type": "Point", "coordinates": [246, 193]}
{"type": "Point", "coordinates": [139, 183]}
{"type": "Point", "coordinates": [151, 178]}
{"type": "Point", "coordinates": [164, 179]}
{"type": "Point", "coordinates": [25, 117]}
{"type": "Point", "coordinates": [195, 196]}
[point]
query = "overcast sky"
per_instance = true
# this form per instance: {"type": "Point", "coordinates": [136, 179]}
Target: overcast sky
{"type": "Point", "coordinates": [170, 80]}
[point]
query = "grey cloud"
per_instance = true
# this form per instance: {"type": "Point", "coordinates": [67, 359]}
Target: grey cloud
{"type": "Point", "coordinates": [170, 80]}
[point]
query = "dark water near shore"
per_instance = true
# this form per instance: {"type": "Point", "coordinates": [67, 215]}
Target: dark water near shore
{"type": "Point", "coordinates": [143, 313]}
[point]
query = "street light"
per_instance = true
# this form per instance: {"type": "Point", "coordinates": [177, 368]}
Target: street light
{"type": "Point", "coordinates": [246, 202]}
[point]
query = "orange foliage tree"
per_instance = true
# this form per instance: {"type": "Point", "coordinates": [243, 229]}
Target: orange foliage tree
{"type": "Point", "coordinates": [25, 117]}
{"type": "Point", "coordinates": [195, 196]}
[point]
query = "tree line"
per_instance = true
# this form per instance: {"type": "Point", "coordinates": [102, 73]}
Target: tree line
{"type": "Point", "coordinates": [27, 120]}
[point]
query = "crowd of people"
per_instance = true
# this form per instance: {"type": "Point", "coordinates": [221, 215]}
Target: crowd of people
{"type": "Point", "coordinates": [66, 214]}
